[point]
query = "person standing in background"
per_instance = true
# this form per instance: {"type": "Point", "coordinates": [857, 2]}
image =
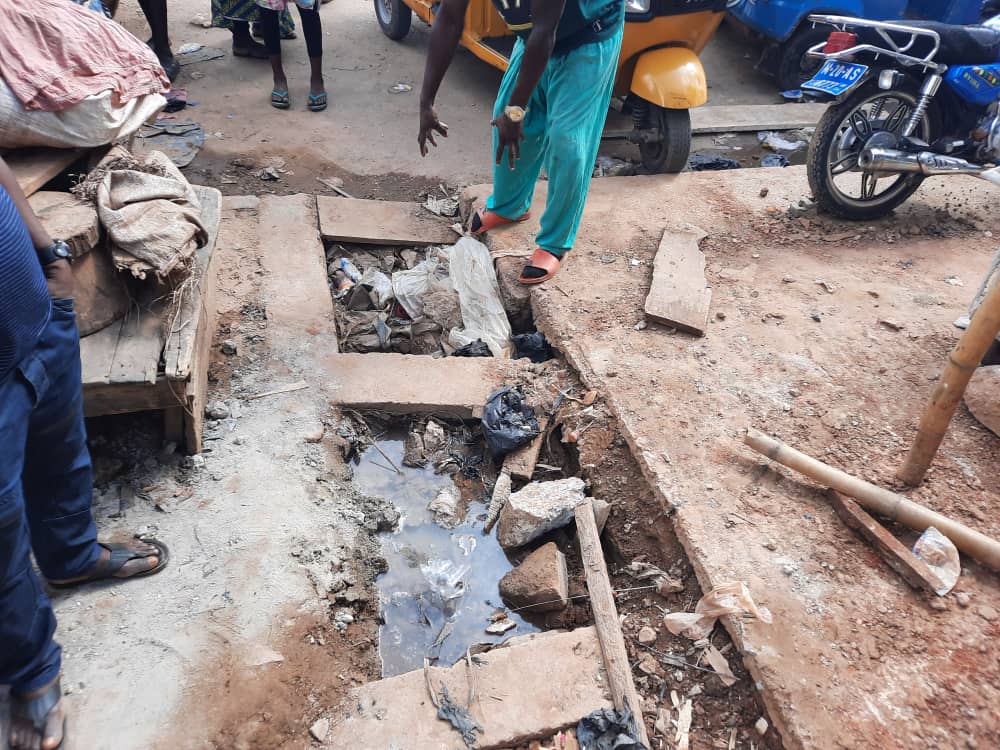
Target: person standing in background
{"type": "Point", "coordinates": [312, 30]}
{"type": "Point", "coordinates": [237, 15]}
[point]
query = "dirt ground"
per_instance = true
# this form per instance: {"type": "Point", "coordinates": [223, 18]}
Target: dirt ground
{"type": "Point", "coordinates": [798, 349]}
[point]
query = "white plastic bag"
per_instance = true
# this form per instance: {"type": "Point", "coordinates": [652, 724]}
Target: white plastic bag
{"type": "Point", "coordinates": [381, 286]}
{"type": "Point", "coordinates": [483, 315]}
{"type": "Point", "coordinates": [410, 287]}
{"type": "Point", "coordinates": [725, 599]}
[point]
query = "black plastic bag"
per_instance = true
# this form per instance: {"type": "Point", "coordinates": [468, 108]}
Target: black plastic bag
{"type": "Point", "coordinates": [608, 729]}
{"type": "Point", "coordinates": [532, 346]}
{"type": "Point", "coordinates": [775, 160]}
{"type": "Point", "coordinates": [711, 163]}
{"type": "Point", "coordinates": [477, 348]}
{"type": "Point", "coordinates": [508, 421]}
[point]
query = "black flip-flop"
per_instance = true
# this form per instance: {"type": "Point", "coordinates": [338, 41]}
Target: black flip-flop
{"type": "Point", "coordinates": [120, 554]}
{"type": "Point", "coordinates": [35, 711]}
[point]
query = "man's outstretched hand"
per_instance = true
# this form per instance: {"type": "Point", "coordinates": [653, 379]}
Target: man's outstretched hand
{"type": "Point", "coordinates": [509, 136]}
{"type": "Point", "coordinates": [429, 123]}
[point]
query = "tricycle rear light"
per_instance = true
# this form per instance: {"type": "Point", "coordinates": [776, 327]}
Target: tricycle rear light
{"type": "Point", "coordinates": [838, 41]}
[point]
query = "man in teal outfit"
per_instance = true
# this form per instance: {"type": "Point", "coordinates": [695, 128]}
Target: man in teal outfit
{"type": "Point", "coordinates": [549, 112]}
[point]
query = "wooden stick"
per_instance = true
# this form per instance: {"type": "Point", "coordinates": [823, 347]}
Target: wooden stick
{"type": "Point", "coordinates": [882, 501]}
{"type": "Point", "coordinates": [609, 632]}
{"type": "Point", "coordinates": [961, 364]}
{"type": "Point", "coordinates": [301, 385]}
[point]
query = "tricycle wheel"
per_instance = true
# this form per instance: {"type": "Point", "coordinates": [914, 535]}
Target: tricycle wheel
{"type": "Point", "coordinates": [794, 67]}
{"type": "Point", "coordinates": [394, 16]}
{"type": "Point", "coordinates": [670, 153]}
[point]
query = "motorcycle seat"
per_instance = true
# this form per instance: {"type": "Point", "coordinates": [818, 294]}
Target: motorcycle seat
{"type": "Point", "coordinates": [961, 45]}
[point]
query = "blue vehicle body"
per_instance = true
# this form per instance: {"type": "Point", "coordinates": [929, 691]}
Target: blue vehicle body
{"type": "Point", "coordinates": [976, 84]}
{"type": "Point", "coordinates": [777, 20]}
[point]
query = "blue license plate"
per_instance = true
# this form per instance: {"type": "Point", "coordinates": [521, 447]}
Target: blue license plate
{"type": "Point", "coordinates": [835, 77]}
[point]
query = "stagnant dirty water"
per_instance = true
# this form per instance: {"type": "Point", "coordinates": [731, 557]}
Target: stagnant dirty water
{"type": "Point", "coordinates": [441, 585]}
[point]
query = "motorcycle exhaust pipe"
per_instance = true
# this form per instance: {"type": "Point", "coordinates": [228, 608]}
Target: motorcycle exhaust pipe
{"type": "Point", "coordinates": [926, 162]}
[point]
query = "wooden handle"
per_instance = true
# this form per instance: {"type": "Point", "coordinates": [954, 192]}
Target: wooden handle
{"type": "Point", "coordinates": [609, 631]}
{"type": "Point", "coordinates": [882, 501]}
{"type": "Point", "coordinates": [958, 370]}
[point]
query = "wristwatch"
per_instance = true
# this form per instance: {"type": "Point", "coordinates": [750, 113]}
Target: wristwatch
{"type": "Point", "coordinates": [514, 114]}
{"type": "Point", "coordinates": [58, 250]}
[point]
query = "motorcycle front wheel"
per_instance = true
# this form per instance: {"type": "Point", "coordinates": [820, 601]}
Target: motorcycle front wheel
{"type": "Point", "coordinates": [839, 186]}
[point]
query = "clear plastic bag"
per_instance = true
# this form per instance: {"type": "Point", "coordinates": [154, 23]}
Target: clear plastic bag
{"type": "Point", "coordinates": [381, 286]}
{"type": "Point", "coordinates": [941, 556]}
{"type": "Point", "coordinates": [725, 599]}
{"type": "Point", "coordinates": [483, 314]}
{"type": "Point", "coordinates": [411, 287]}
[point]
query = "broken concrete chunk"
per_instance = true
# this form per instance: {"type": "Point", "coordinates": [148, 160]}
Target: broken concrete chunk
{"type": "Point", "coordinates": [646, 636]}
{"type": "Point", "coordinates": [537, 509]}
{"type": "Point", "coordinates": [602, 509]}
{"type": "Point", "coordinates": [540, 583]}
{"type": "Point", "coordinates": [983, 397]}
{"type": "Point", "coordinates": [320, 729]}
{"type": "Point", "coordinates": [217, 410]}
{"type": "Point", "coordinates": [501, 626]}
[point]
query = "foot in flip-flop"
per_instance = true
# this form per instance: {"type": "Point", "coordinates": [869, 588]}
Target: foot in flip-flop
{"type": "Point", "coordinates": [280, 100]}
{"type": "Point", "coordinates": [317, 102]}
{"type": "Point", "coordinates": [542, 267]}
{"type": "Point", "coordinates": [250, 49]}
{"type": "Point", "coordinates": [38, 721]}
{"type": "Point", "coordinates": [484, 220]}
{"type": "Point", "coordinates": [135, 559]}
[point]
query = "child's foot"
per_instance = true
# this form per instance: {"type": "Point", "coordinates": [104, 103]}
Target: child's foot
{"type": "Point", "coordinates": [279, 95]}
{"type": "Point", "coordinates": [317, 96]}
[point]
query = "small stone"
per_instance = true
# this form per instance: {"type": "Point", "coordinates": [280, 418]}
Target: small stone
{"type": "Point", "coordinates": [646, 636]}
{"type": "Point", "coordinates": [720, 315]}
{"type": "Point", "coordinates": [197, 461]}
{"type": "Point", "coordinates": [320, 729]}
{"type": "Point", "coordinates": [761, 726]}
{"type": "Point", "coordinates": [988, 613]}
{"type": "Point", "coordinates": [649, 665]}
{"type": "Point", "coordinates": [892, 325]}
{"type": "Point", "coordinates": [641, 325]}
{"type": "Point", "coordinates": [229, 347]}
{"type": "Point", "coordinates": [788, 569]}
{"type": "Point", "coordinates": [345, 617]}
{"type": "Point", "coordinates": [314, 433]}
{"type": "Point", "coordinates": [763, 192]}
{"type": "Point", "coordinates": [501, 627]}
{"type": "Point", "coordinates": [939, 604]}
{"type": "Point", "coordinates": [217, 410]}
{"type": "Point", "coordinates": [963, 599]}
{"type": "Point", "coordinates": [770, 545]}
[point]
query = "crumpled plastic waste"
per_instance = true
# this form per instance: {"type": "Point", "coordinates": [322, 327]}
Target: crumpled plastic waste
{"type": "Point", "coordinates": [483, 315]}
{"type": "Point", "coordinates": [410, 287]}
{"type": "Point", "coordinates": [508, 421]}
{"type": "Point", "coordinates": [532, 346]}
{"type": "Point", "coordinates": [711, 163]}
{"type": "Point", "coordinates": [725, 599]}
{"type": "Point", "coordinates": [776, 142]}
{"type": "Point", "coordinates": [477, 348]}
{"type": "Point", "coordinates": [608, 729]}
{"type": "Point", "coordinates": [775, 160]}
{"type": "Point", "coordinates": [445, 579]}
{"type": "Point", "coordinates": [941, 556]}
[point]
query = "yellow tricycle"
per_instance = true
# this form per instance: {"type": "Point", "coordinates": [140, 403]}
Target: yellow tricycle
{"type": "Point", "coordinates": [659, 79]}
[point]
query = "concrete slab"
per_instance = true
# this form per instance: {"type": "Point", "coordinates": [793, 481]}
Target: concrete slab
{"type": "Point", "coordinates": [381, 223]}
{"type": "Point", "coordinates": [410, 384]}
{"type": "Point", "coordinates": [854, 657]}
{"type": "Point", "coordinates": [293, 257]}
{"type": "Point", "coordinates": [678, 296]}
{"type": "Point", "coordinates": [531, 688]}
{"type": "Point", "coordinates": [746, 118]}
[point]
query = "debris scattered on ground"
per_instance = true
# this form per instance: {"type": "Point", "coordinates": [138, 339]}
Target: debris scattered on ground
{"type": "Point", "coordinates": [445, 507]}
{"type": "Point", "coordinates": [532, 346]}
{"type": "Point", "coordinates": [229, 348]}
{"type": "Point", "coordinates": [608, 729]}
{"type": "Point", "coordinates": [608, 166]}
{"type": "Point", "coordinates": [538, 508]}
{"type": "Point", "coordinates": [646, 636]}
{"type": "Point", "coordinates": [774, 160]}
{"type": "Point", "coordinates": [189, 54]}
{"type": "Point", "coordinates": [982, 397]}
{"type": "Point", "coordinates": [644, 571]}
{"type": "Point", "coordinates": [725, 599]}
{"type": "Point", "coordinates": [720, 665]}
{"type": "Point", "coordinates": [540, 583]}
{"type": "Point", "coordinates": [499, 498]}
{"type": "Point", "coordinates": [320, 729]}
{"type": "Point", "coordinates": [446, 206]}
{"type": "Point", "coordinates": [777, 142]}
{"type": "Point", "coordinates": [400, 88]}
{"type": "Point", "coordinates": [500, 627]}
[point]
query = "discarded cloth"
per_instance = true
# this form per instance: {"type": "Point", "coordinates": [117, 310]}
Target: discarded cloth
{"type": "Point", "coordinates": [725, 599]}
{"type": "Point", "coordinates": [56, 54]}
{"type": "Point", "coordinates": [608, 729]}
{"type": "Point", "coordinates": [153, 221]}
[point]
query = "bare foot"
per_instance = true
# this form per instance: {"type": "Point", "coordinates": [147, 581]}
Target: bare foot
{"type": "Point", "coordinates": [47, 734]}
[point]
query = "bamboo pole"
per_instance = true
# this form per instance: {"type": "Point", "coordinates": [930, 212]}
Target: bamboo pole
{"type": "Point", "coordinates": [609, 630]}
{"type": "Point", "coordinates": [961, 364]}
{"type": "Point", "coordinates": [882, 501]}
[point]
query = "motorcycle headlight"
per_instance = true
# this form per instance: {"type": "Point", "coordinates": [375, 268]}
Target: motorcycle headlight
{"type": "Point", "coordinates": [639, 7]}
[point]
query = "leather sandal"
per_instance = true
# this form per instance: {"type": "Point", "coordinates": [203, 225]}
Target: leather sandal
{"type": "Point", "coordinates": [35, 711]}
{"type": "Point", "coordinates": [484, 220]}
{"type": "Point", "coordinates": [541, 260]}
{"type": "Point", "coordinates": [120, 554]}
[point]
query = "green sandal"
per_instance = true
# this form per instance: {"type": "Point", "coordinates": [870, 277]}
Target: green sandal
{"type": "Point", "coordinates": [317, 102]}
{"type": "Point", "coordinates": [279, 99]}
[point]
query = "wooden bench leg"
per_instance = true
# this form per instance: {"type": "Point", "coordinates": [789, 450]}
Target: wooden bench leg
{"type": "Point", "coordinates": [173, 425]}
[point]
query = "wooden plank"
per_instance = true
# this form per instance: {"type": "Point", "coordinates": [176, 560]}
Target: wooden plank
{"type": "Point", "coordinates": [137, 355]}
{"type": "Point", "coordinates": [750, 118]}
{"type": "Point", "coordinates": [380, 223]}
{"type": "Point", "coordinates": [609, 632]}
{"type": "Point", "coordinates": [125, 398]}
{"type": "Point", "coordinates": [912, 569]}
{"type": "Point", "coordinates": [199, 297]}
{"type": "Point", "coordinates": [679, 296]}
{"type": "Point", "coordinates": [68, 218]}
{"type": "Point", "coordinates": [97, 352]}
{"type": "Point", "coordinates": [173, 424]}
{"type": "Point", "coordinates": [34, 167]}
{"type": "Point", "coordinates": [521, 463]}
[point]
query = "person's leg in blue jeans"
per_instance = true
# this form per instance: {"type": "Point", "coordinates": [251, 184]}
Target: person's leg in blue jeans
{"type": "Point", "coordinates": [45, 507]}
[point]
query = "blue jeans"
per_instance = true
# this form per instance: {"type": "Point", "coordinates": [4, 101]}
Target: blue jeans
{"type": "Point", "coordinates": [45, 498]}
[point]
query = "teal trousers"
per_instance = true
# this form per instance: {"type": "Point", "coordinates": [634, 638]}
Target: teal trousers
{"type": "Point", "coordinates": [562, 131]}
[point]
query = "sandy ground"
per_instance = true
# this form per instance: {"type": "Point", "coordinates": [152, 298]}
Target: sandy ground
{"type": "Point", "coordinates": [368, 131]}
{"type": "Point", "coordinates": [854, 657]}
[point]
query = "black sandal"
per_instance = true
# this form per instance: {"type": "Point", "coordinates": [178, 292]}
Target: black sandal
{"type": "Point", "coordinates": [120, 554]}
{"type": "Point", "coordinates": [35, 711]}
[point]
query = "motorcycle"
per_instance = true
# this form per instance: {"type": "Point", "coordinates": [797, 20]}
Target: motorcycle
{"type": "Point", "coordinates": [909, 100]}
